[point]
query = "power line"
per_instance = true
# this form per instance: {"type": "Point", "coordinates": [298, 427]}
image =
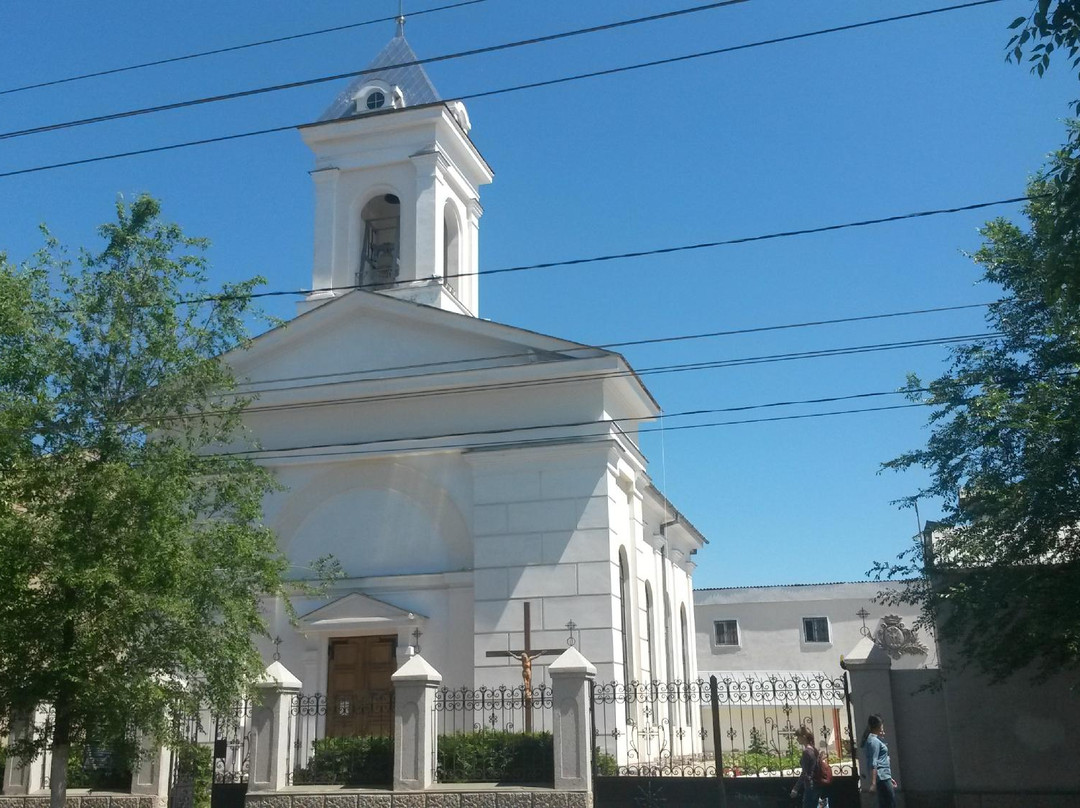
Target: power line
{"type": "Point", "coordinates": [273, 88]}
{"type": "Point", "coordinates": [272, 454]}
{"type": "Point", "coordinates": [604, 375]}
{"type": "Point", "coordinates": [669, 250]}
{"type": "Point", "coordinates": [597, 437]}
{"type": "Point", "coordinates": [922, 214]}
{"type": "Point", "coordinates": [230, 49]}
{"type": "Point", "coordinates": [626, 343]}
{"type": "Point", "coordinates": [515, 88]}
{"type": "Point", "coordinates": [591, 422]}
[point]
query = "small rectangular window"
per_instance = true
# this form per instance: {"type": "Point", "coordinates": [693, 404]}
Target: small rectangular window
{"type": "Point", "coordinates": [726, 632]}
{"type": "Point", "coordinates": [815, 629]}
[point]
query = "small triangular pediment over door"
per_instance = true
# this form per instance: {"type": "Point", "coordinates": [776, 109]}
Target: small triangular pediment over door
{"type": "Point", "coordinates": [358, 613]}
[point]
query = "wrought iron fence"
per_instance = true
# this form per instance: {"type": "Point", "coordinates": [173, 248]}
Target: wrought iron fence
{"type": "Point", "coordinates": [651, 729]}
{"type": "Point", "coordinates": [343, 739]}
{"type": "Point", "coordinates": [494, 734]}
{"type": "Point", "coordinates": [733, 726]}
{"type": "Point", "coordinates": [99, 763]}
{"type": "Point", "coordinates": [212, 763]}
{"type": "Point", "coordinates": [760, 714]}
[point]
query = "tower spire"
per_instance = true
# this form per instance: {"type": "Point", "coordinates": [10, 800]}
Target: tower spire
{"type": "Point", "coordinates": [401, 18]}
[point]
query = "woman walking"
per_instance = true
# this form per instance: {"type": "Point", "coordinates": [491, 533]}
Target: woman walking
{"type": "Point", "coordinates": [877, 762]}
{"type": "Point", "coordinates": [811, 792]}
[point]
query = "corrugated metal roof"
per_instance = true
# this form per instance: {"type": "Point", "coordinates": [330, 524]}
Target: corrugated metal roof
{"type": "Point", "coordinates": [412, 79]}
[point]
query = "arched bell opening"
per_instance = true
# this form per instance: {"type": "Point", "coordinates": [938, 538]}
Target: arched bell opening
{"type": "Point", "coordinates": [379, 256]}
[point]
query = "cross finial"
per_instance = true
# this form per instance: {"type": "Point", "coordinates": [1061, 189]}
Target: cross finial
{"type": "Point", "coordinates": [277, 648]}
{"type": "Point", "coordinates": [571, 625]}
{"type": "Point", "coordinates": [401, 18]}
{"type": "Point", "coordinates": [416, 635]}
{"type": "Point", "coordinates": [863, 614]}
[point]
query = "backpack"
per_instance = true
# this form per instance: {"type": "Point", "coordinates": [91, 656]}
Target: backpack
{"type": "Point", "coordinates": [822, 774]}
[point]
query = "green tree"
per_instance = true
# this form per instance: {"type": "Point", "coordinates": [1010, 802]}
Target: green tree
{"type": "Point", "coordinates": [132, 558]}
{"type": "Point", "coordinates": [1051, 25]}
{"type": "Point", "coordinates": [1000, 580]}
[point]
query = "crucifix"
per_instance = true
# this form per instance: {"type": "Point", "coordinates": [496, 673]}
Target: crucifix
{"type": "Point", "coordinates": [526, 656]}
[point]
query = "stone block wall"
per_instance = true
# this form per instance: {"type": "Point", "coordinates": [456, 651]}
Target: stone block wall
{"type": "Point", "coordinates": [503, 798]}
{"type": "Point", "coordinates": [83, 800]}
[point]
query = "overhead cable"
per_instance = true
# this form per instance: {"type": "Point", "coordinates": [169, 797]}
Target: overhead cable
{"type": "Point", "coordinates": [828, 228]}
{"type": "Point", "coordinates": [291, 85]}
{"type": "Point", "coordinates": [603, 375]}
{"type": "Point", "coordinates": [483, 94]}
{"type": "Point", "coordinates": [448, 363]}
{"type": "Point", "coordinates": [231, 48]}
{"type": "Point", "coordinates": [364, 448]}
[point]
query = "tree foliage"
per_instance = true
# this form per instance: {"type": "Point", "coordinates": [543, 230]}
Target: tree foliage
{"type": "Point", "coordinates": [1051, 25]}
{"type": "Point", "coordinates": [1000, 581]}
{"type": "Point", "coordinates": [132, 558]}
{"type": "Point", "coordinates": [1054, 27]}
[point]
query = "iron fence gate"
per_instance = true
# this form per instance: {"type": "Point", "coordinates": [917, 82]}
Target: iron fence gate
{"type": "Point", "coordinates": [214, 756]}
{"type": "Point", "coordinates": [694, 743]}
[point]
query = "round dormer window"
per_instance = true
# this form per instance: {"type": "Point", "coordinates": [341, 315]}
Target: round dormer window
{"type": "Point", "coordinates": [376, 99]}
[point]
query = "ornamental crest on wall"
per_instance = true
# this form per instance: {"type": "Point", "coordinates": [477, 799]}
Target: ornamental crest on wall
{"type": "Point", "coordinates": [896, 639]}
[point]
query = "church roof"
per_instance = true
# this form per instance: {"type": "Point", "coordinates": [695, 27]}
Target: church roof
{"type": "Point", "coordinates": [412, 79]}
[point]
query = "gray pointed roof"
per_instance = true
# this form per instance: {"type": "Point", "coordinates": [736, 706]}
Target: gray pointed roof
{"type": "Point", "coordinates": [413, 80]}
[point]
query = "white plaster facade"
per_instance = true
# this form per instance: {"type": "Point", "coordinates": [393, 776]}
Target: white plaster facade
{"type": "Point", "coordinates": [771, 634]}
{"type": "Point", "coordinates": [455, 467]}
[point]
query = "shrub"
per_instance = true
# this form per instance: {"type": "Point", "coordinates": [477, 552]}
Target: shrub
{"type": "Point", "coordinates": [195, 765]}
{"type": "Point", "coordinates": [754, 762]}
{"type": "Point", "coordinates": [105, 767]}
{"type": "Point", "coordinates": [605, 764]}
{"type": "Point", "coordinates": [498, 757]}
{"type": "Point", "coordinates": [349, 761]}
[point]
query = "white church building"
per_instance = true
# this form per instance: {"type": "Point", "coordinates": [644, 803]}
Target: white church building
{"type": "Point", "coordinates": [457, 468]}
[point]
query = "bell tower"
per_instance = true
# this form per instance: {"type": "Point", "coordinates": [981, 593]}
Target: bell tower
{"type": "Point", "coordinates": [397, 179]}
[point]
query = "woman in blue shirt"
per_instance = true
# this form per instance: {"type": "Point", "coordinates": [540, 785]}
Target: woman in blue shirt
{"type": "Point", "coordinates": [877, 762]}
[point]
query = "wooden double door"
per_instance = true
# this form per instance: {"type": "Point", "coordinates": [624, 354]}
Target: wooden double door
{"type": "Point", "coordinates": [360, 695]}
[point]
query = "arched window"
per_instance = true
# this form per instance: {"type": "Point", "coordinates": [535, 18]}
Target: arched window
{"type": "Point", "coordinates": [669, 650]}
{"type": "Point", "coordinates": [649, 631]}
{"type": "Point", "coordinates": [381, 218]}
{"type": "Point", "coordinates": [451, 248]}
{"type": "Point", "coordinates": [624, 616]}
{"type": "Point", "coordinates": [684, 636]}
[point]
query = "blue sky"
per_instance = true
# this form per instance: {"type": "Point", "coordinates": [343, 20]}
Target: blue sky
{"type": "Point", "coordinates": [909, 116]}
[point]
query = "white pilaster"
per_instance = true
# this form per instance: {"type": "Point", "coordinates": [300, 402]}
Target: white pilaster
{"type": "Point", "coordinates": [325, 269]}
{"type": "Point", "coordinates": [429, 222]}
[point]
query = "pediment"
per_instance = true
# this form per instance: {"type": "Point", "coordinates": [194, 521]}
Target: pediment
{"type": "Point", "coordinates": [366, 335]}
{"type": "Point", "coordinates": [357, 611]}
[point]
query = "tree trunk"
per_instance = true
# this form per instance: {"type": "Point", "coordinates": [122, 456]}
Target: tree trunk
{"type": "Point", "coordinates": [61, 739]}
{"type": "Point", "coordinates": [61, 747]}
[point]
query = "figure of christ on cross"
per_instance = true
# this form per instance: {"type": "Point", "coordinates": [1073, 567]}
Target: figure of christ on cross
{"type": "Point", "coordinates": [526, 656]}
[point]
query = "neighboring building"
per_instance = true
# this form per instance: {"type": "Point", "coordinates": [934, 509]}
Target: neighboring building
{"type": "Point", "coordinates": [457, 468]}
{"type": "Point", "coordinates": [801, 627]}
{"type": "Point", "coordinates": [776, 651]}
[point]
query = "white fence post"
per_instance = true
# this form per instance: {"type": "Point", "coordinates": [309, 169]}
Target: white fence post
{"type": "Point", "coordinates": [871, 692]}
{"type": "Point", "coordinates": [270, 729]}
{"type": "Point", "coordinates": [570, 676]}
{"type": "Point", "coordinates": [17, 772]}
{"type": "Point", "coordinates": [151, 776]}
{"type": "Point", "coordinates": [414, 725]}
